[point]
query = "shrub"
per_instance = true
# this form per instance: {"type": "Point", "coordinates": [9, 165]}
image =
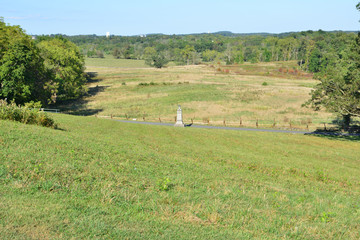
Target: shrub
{"type": "Point", "coordinates": [148, 84]}
{"type": "Point", "coordinates": [25, 115]}
{"type": "Point", "coordinates": [264, 84]}
{"type": "Point", "coordinates": [164, 184]}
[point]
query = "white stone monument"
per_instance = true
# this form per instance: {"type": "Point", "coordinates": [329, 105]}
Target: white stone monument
{"type": "Point", "coordinates": [179, 120]}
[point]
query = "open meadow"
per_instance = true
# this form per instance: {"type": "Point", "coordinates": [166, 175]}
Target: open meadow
{"type": "Point", "coordinates": [271, 94]}
{"type": "Point", "coordinates": [159, 130]}
{"type": "Point", "coordinates": [101, 179]}
{"type": "Point", "coordinates": [95, 178]}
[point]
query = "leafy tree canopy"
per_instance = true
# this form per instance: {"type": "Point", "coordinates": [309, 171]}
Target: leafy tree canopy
{"type": "Point", "coordinates": [339, 87]}
{"type": "Point", "coordinates": [46, 70]}
{"type": "Point", "coordinates": [22, 72]}
{"type": "Point", "coordinates": [64, 60]}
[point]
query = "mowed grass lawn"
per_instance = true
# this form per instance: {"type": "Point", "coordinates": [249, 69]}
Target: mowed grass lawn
{"type": "Point", "coordinates": [263, 92]}
{"type": "Point", "coordinates": [102, 179]}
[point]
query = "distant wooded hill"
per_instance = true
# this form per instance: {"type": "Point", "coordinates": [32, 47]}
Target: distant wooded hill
{"type": "Point", "coordinates": [312, 49]}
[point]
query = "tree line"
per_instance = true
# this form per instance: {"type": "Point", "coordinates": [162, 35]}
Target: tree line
{"type": "Point", "coordinates": [312, 49]}
{"type": "Point", "coordinates": [41, 71]}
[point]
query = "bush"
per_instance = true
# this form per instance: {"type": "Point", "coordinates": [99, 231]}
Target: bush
{"type": "Point", "coordinates": [25, 115]}
{"type": "Point", "coordinates": [164, 184]}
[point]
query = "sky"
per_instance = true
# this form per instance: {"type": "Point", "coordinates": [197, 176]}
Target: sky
{"type": "Point", "coordinates": [135, 17]}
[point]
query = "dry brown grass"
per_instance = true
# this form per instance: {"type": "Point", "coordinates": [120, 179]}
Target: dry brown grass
{"type": "Point", "coordinates": [231, 96]}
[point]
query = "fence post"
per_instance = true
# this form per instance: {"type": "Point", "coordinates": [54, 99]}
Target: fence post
{"type": "Point", "coordinates": [127, 118]}
{"type": "Point", "coordinates": [274, 123]}
{"type": "Point", "coordinates": [307, 127]}
{"type": "Point", "coordinates": [111, 116]}
{"type": "Point", "coordinates": [290, 125]}
{"type": "Point", "coordinates": [257, 123]}
{"type": "Point", "coordinates": [159, 119]}
{"type": "Point", "coordinates": [240, 122]}
{"type": "Point", "coordinates": [175, 118]}
{"type": "Point", "coordinates": [224, 122]}
{"type": "Point", "coordinates": [324, 126]}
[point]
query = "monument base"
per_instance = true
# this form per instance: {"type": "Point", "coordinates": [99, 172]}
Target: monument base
{"type": "Point", "coordinates": [179, 124]}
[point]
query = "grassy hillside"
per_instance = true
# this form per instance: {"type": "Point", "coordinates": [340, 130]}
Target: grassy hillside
{"type": "Point", "coordinates": [97, 178]}
{"type": "Point", "coordinates": [266, 92]}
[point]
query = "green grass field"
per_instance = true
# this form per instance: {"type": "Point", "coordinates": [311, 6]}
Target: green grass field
{"type": "Point", "coordinates": [263, 92]}
{"type": "Point", "coordinates": [101, 179]}
{"type": "Point", "coordinates": [110, 61]}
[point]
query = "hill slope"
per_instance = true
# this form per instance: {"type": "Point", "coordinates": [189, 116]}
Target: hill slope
{"type": "Point", "coordinates": [104, 179]}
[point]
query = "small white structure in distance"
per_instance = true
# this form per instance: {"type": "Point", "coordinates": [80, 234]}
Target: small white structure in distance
{"type": "Point", "coordinates": [179, 121]}
{"type": "Point", "coordinates": [107, 34]}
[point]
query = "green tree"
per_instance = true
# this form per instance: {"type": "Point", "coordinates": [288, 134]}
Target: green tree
{"type": "Point", "coordinates": [314, 64]}
{"type": "Point", "coordinates": [154, 58]}
{"type": "Point", "coordinates": [188, 54]}
{"type": "Point", "coordinates": [209, 55]}
{"type": "Point", "coordinates": [22, 72]}
{"type": "Point", "coordinates": [116, 53]}
{"type": "Point", "coordinates": [238, 56]}
{"type": "Point", "coordinates": [267, 55]}
{"type": "Point", "coordinates": [229, 54]}
{"type": "Point", "coordinates": [339, 87]}
{"type": "Point", "coordinates": [66, 63]}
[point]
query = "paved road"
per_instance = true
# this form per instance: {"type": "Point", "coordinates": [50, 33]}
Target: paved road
{"type": "Point", "coordinates": [224, 128]}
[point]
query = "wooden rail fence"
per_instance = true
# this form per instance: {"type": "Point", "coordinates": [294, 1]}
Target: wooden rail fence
{"type": "Point", "coordinates": [240, 122]}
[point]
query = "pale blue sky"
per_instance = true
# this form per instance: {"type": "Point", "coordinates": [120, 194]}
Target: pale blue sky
{"type": "Point", "coordinates": [132, 17]}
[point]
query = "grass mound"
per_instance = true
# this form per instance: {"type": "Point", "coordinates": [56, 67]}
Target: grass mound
{"type": "Point", "coordinates": [25, 115]}
{"type": "Point", "coordinates": [108, 180]}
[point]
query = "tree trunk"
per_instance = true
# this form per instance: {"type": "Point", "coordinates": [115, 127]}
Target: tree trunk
{"type": "Point", "coordinates": [346, 121]}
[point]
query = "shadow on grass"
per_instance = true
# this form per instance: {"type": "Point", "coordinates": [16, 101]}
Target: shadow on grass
{"type": "Point", "coordinates": [60, 129]}
{"type": "Point", "coordinates": [95, 90]}
{"type": "Point", "coordinates": [337, 133]}
{"type": "Point", "coordinates": [91, 77]}
{"type": "Point", "coordinates": [342, 137]}
{"type": "Point", "coordinates": [79, 106]}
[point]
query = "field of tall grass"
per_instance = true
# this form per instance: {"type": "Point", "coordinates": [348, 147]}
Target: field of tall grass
{"type": "Point", "coordinates": [100, 179]}
{"type": "Point", "coordinates": [263, 94]}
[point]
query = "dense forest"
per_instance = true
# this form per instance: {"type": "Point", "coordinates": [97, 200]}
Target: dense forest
{"type": "Point", "coordinates": [312, 49]}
